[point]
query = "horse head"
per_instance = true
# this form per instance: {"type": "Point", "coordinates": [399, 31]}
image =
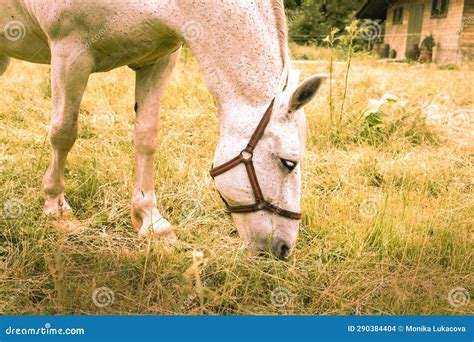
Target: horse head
{"type": "Point", "coordinates": [261, 185]}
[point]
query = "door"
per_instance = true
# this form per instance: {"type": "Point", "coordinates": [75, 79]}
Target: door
{"type": "Point", "coordinates": [415, 24]}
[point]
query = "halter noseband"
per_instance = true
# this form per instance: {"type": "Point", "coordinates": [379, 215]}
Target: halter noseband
{"type": "Point", "coordinates": [246, 157]}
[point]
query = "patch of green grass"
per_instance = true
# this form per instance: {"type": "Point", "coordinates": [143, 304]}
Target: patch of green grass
{"type": "Point", "coordinates": [448, 67]}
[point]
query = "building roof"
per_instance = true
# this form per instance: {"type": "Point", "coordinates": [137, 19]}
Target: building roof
{"type": "Point", "coordinates": [374, 9]}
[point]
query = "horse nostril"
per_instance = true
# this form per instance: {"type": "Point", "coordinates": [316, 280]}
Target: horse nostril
{"type": "Point", "coordinates": [281, 250]}
{"type": "Point", "coordinates": [284, 251]}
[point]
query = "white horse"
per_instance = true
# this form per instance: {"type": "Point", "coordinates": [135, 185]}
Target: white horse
{"type": "Point", "coordinates": [242, 49]}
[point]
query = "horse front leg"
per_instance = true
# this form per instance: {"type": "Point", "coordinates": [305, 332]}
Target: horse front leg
{"type": "Point", "coordinates": [70, 70]}
{"type": "Point", "coordinates": [150, 85]}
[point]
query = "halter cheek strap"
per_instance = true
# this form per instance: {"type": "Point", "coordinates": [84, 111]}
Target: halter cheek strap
{"type": "Point", "coordinates": [246, 157]}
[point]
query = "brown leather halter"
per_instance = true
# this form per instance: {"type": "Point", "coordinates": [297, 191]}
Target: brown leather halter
{"type": "Point", "coordinates": [246, 157]}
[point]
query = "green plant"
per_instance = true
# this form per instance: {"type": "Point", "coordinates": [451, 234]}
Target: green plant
{"type": "Point", "coordinates": [428, 43]}
{"type": "Point", "coordinates": [348, 40]}
{"type": "Point", "coordinates": [448, 67]}
{"type": "Point", "coordinates": [331, 40]}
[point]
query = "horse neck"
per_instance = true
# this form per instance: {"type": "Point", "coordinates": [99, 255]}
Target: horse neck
{"type": "Point", "coordinates": [243, 93]}
{"type": "Point", "coordinates": [244, 71]}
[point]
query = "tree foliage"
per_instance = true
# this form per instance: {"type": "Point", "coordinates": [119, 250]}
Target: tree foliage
{"type": "Point", "coordinates": [311, 20]}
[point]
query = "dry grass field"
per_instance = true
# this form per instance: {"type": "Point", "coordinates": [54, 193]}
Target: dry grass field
{"type": "Point", "coordinates": [388, 201]}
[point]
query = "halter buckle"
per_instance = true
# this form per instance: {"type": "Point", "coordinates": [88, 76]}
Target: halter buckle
{"type": "Point", "coordinates": [261, 205]}
{"type": "Point", "coordinates": [246, 155]}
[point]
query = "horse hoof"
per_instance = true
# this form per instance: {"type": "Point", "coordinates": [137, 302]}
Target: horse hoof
{"type": "Point", "coordinates": [167, 238]}
{"type": "Point", "coordinates": [63, 220]}
{"type": "Point", "coordinates": [57, 208]}
{"type": "Point", "coordinates": [59, 215]}
{"type": "Point", "coordinates": [158, 226]}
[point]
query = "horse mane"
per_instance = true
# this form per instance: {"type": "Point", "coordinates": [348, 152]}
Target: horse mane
{"type": "Point", "coordinates": [282, 28]}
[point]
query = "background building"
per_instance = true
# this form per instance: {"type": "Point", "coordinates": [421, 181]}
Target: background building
{"type": "Point", "coordinates": [408, 22]}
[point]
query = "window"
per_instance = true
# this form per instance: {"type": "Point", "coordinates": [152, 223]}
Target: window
{"type": "Point", "coordinates": [439, 9]}
{"type": "Point", "coordinates": [398, 16]}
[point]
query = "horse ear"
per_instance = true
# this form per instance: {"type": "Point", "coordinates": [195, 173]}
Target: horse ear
{"type": "Point", "coordinates": [306, 92]}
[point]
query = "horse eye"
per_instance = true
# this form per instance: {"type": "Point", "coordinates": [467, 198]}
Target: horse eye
{"type": "Point", "coordinates": [289, 164]}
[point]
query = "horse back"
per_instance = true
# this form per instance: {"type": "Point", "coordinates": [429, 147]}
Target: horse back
{"type": "Point", "coordinates": [112, 33]}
